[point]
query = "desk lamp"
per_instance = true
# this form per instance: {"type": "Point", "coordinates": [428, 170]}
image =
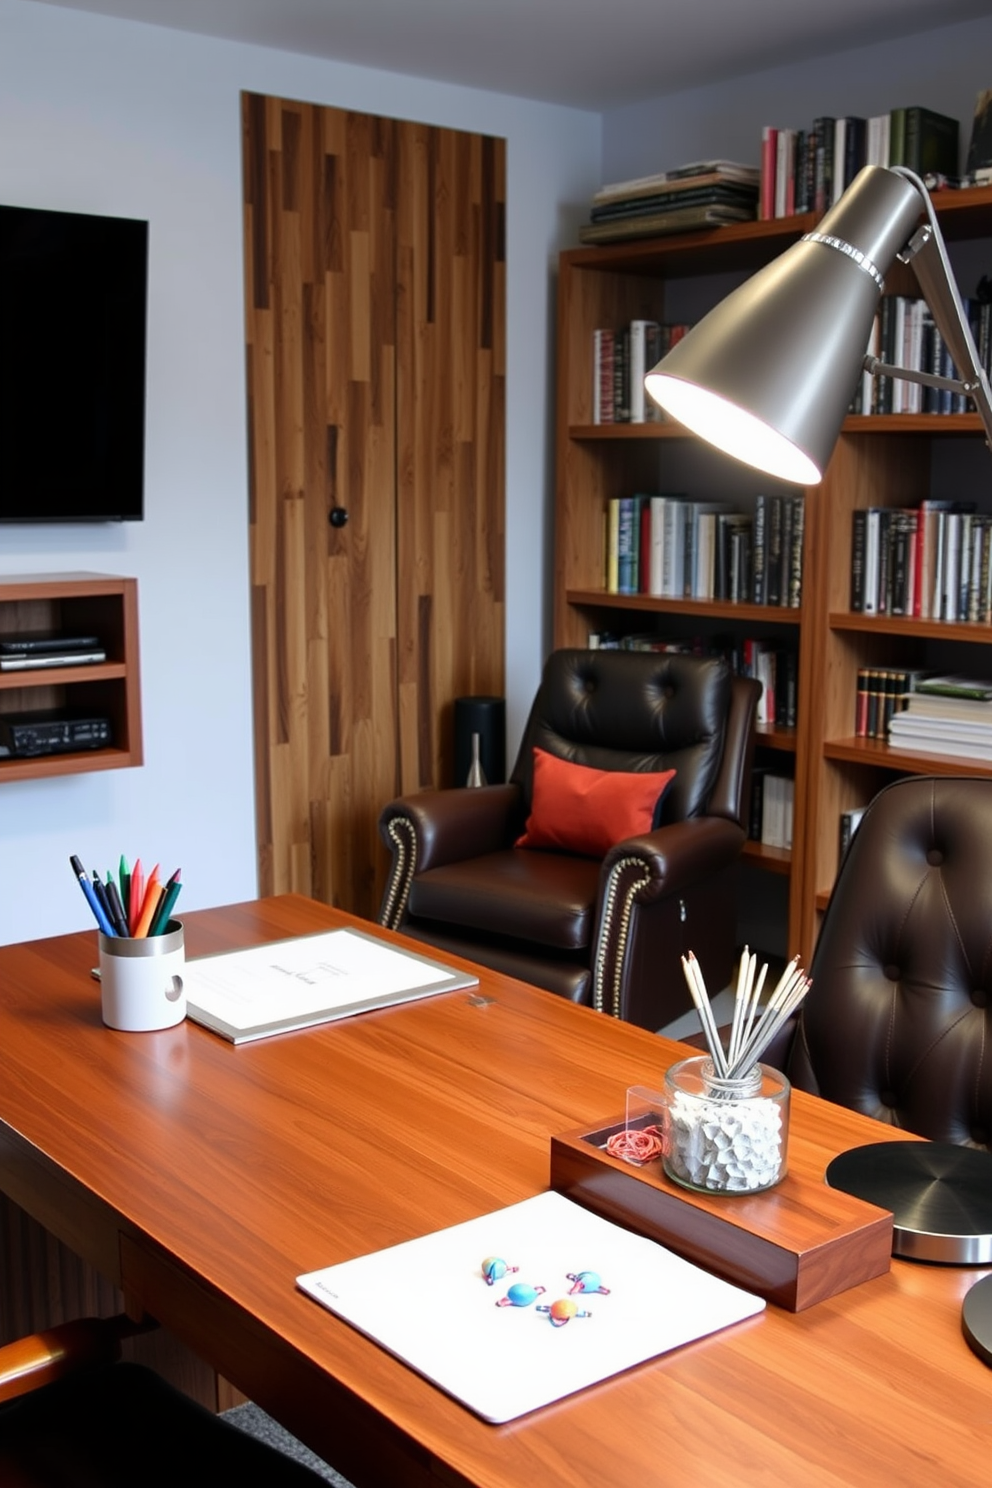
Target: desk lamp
{"type": "Point", "coordinates": [768, 375]}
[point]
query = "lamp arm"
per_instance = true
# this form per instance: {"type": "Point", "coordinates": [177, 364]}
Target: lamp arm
{"type": "Point", "coordinates": [928, 253]}
{"type": "Point", "coordinates": [877, 368]}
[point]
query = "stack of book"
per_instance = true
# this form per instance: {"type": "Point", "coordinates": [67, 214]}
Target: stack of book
{"type": "Point", "coordinates": [882, 693]}
{"type": "Point", "coordinates": [707, 193]}
{"type": "Point", "coordinates": [808, 170]}
{"type": "Point", "coordinates": [672, 547]}
{"type": "Point", "coordinates": [947, 715]}
{"type": "Point", "coordinates": [904, 335]}
{"type": "Point", "coordinates": [933, 562]}
{"type": "Point", "coordinates": [772, 808]}
{"type": "Point", "coordinates": [620, 359]}
{"type": "Point", "coordinates": [775, 666]}
{"type": "Point", "coordinates": [849, 824]}
{"type": "Point", "coordinates": [978, 166]}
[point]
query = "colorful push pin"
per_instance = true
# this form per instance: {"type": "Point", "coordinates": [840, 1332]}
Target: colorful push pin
{"type": "Point", "coordinates": [586, 1281]}
{"type": "Point", "coordinates": [520, 1295]}
{"type": "Point", "coordinates": [494, 1268]}
{"type": "Point", "coordinates": [559, 1312]}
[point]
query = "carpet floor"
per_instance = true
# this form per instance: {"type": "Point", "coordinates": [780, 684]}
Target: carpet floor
{"type": "Point", "coordinates": [250, 1419]}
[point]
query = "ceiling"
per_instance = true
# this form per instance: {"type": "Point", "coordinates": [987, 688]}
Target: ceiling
{"type": "Point", "coordinates": [592, 54]}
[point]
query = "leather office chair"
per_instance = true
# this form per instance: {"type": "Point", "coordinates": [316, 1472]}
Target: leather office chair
{"type": "Point", "coordinates": [605, 928]}
{"type": "Point", "coordinates": [71, 1416]}
{"type": "Point", "coordinates": [898, 1021]}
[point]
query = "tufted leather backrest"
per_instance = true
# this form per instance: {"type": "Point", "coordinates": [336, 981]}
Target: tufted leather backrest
{"type": "Point", "coordinates": [633, 710]}
{"type": "Point", "coordinates": [898, 1022]}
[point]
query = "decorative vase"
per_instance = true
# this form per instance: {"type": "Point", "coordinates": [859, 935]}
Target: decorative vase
{"type": "Point", "coordinates": [725, 1136]}
{"type": "Point", "coordinates": [476, 775]}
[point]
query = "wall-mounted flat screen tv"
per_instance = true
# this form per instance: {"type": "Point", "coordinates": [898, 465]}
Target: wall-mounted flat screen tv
{"type": "Point", "coordinates": [73, 316]}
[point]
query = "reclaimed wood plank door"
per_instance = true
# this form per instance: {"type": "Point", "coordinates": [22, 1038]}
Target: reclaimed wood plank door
{"type": "Point", "coordinates": [375, 325]}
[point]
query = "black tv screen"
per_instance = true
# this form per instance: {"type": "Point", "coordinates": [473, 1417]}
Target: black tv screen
{"type": "Point", "coordinates": [73, 314]}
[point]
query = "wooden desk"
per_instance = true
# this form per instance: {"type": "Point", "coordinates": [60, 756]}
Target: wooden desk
{"type": "Point", "coordinates": [204, 1178]}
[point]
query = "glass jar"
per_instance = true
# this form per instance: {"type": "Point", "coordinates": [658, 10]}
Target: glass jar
{"type": "Point", "coordinates": [725, 1136]}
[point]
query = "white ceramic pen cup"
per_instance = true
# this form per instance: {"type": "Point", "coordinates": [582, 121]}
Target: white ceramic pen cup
{"type": "Point", "coordinates": [141, 980]}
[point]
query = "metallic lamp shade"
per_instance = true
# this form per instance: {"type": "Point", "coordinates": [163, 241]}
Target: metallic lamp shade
{"type": "Point", "coordinates": [768, 375]}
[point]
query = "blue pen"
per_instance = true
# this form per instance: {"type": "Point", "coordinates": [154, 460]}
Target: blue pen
{"type": "Point", "coordinates": [91, 898]}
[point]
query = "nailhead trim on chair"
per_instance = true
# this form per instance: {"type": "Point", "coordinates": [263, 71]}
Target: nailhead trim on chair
{"type": "Point", "coordinates": [401, 833]}
{"type": "Point", "coordinates": [617, 906]}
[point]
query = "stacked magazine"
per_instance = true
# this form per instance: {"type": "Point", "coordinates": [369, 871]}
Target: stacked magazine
{"type": "Point", "coordinates": [707, 193]}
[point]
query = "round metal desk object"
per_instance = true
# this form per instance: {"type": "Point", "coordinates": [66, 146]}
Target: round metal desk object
{"type": "Point", "coordinates": [976, 1318]}
{"type": "Point", "coordinates": [940, 1196]}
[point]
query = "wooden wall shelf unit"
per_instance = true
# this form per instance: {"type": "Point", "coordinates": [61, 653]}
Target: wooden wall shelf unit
{"type": "Point", "coordinates": [880, 460]}
{"type": "Point", "coordinates": [76, 603]}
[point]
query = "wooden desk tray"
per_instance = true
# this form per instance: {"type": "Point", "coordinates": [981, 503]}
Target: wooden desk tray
{"type": "Point", "coordinates": [795, 1244]}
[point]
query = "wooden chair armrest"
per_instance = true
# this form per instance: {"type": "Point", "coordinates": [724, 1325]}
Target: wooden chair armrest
{"type": "Point", "coordinates": [41, 1358]}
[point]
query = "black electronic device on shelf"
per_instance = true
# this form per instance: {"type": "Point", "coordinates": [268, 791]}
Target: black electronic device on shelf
{"type": "Point", "coordinates": [25, 652]}
{"type": "Point", "coordinates": [52, 731]}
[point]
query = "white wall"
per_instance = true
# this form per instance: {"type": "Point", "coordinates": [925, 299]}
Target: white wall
{"type": "Point", "coordinates": [105, 116]}
{"type": "Point", "coordinates": [942, 69]}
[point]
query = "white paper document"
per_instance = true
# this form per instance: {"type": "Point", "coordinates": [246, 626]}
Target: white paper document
{"type": "Point", "coordinates": [586, 1299]}
{"type": "Point", "coordinates": [290, 984]}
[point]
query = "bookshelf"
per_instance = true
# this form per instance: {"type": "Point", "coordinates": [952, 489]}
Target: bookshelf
{"type": "Point", "coordinates": [879, 460]}
{"type": "Point", "coordinates": [104, 605]}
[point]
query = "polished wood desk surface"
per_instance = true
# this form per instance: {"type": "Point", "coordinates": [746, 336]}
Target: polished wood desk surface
{"type": "Point", "coordinates": [204, 1178]}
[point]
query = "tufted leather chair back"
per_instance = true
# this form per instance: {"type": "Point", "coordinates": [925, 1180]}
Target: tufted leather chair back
{"type": "Point", "coordinates": [898, 1022]}
{"type": "Point", "coordinates": [636, 711]}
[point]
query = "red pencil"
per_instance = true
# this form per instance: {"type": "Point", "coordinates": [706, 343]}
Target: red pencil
{"type": "Point", "coordinates": [136, 895]}
{"type": "Point", "coordinates": [153, 892]}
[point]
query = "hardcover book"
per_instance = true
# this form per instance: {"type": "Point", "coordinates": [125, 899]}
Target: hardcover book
{"type": "Point", "coordinates": [980, 145]}
{"type": "Point", "coordinates": [683, 219]}
{"type": "Point", "coordinates": [931, 143]}
{"type": "Point", "coordinates": [675, 197]}
{"type": "Point", "coordinates": [952, 685]}
{"type": "Point", "coordinates": [758, 586]}
{"type": "Point", "coordinates": [702, 172]}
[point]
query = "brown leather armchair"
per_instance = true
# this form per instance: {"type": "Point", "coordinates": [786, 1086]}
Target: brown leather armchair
{"type": "Point", "coordinates": [898, 1021]}
{"type": "Point", "coordinates": [606, 931]}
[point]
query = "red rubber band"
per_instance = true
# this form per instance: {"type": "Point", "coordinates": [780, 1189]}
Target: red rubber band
{"type": "Point", "coordinates": [638, 1146]}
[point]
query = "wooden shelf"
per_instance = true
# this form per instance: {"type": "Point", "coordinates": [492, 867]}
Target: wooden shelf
{"type": "Point", "coordinates": [880, 460]}
{"type": "Point", "coordinates": [738, 245]}
{"type": "Point", "coordinates": [929, 424]}
{"type": "Point", "coordinates": [882, 755]}
{"type": "Point", "coordinates": [62, 676]}
{"type": "Point", "coordinates": [773, 736]}
{"type": "Point", "coordinates": [904, 625]}
{"type": "Point", "coordinates": [82, 603]}
{"type": "Point", "coordinates": [745, 245]}
{"type": "Point", "coordinates": [772, 859]}
{"type": "Point", "coordinates": [648, 604]}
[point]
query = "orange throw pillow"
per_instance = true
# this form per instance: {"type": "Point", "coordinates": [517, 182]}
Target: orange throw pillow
{"type": "Point", "coordinates": [581, 810]}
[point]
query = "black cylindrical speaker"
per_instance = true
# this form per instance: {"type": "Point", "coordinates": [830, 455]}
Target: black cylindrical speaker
{"type": "Point", "coordinates": [485, 716]}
